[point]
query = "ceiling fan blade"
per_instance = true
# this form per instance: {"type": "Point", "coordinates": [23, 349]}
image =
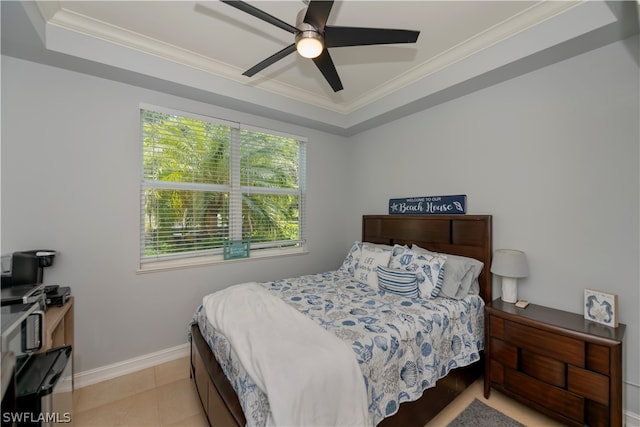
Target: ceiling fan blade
{"type": "Point", "coordinates": [356, 36]}
{"type": "Point", "coordinates": [270, 60]}
{"type": "Point", "coordinates": [328, 70]}
{"type": "Point", "coordinates": [318, 13]}
{"type": "Point", "coordinates": [254, 11]}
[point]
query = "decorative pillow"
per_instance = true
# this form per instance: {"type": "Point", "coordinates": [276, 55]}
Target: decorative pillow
{"type": "Point", "coordinates": [429, 269]}
{"type": "Point", "coordinates": [460, 275]}
{"type": "Point", "coordinates": [401, 255]}
{"type": "Point", "coordinates": [350, 263]}
{"type": "Point", "coordinates": [398, 281]}
{"type": "Point", "coordinates": [372, 256]}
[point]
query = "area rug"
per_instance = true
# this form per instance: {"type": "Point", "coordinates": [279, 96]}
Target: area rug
{"type": "Point", "coordinates": [477, 414]}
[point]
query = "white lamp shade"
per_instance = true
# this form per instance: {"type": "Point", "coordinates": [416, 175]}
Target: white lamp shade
{"type": "Point", "coordinates": [510, 263]}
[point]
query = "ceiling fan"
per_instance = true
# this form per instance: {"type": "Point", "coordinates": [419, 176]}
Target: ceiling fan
{"type": "Point", "coordinates": [313, 37]}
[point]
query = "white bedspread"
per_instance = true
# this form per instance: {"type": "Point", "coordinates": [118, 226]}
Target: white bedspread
{"type": "Point", "coordinates": [310, 376]}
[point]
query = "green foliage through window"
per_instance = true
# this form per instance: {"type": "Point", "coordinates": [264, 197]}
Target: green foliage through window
{"type": "Point", "coordinates": [205, 181]}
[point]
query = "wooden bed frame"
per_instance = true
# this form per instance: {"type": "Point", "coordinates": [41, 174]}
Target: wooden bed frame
{"type": "Point", "coordinates": [466, 235]}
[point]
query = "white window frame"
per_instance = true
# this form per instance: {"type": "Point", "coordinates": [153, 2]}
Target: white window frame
{"type": "Point", "coordinates": [235, 190]}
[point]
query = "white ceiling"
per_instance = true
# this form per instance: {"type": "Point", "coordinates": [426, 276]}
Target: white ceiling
{"type": "Point", "coordinates": [205, 46]}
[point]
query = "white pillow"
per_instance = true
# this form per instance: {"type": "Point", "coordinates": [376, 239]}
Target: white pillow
{"type": "Point", "coordinates": [460, 274]}
{"type": "Point", "coordinates": [429, 269]}
{"type": "Point", "coordinates": [371, 257]}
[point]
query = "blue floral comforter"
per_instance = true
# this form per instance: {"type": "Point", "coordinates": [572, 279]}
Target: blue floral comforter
{"type": "Point", "coordinates": [402, 345]}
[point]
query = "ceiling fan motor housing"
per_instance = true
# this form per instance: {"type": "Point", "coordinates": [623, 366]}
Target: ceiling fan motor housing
{"type": "Point", "coordinates": [309, 42]}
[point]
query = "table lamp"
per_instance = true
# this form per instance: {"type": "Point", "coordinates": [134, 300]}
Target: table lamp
{"type": "Point", "coordinates": [511, 264]}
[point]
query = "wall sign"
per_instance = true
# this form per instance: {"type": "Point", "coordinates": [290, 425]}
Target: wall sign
{"type": "Point", "coordinates": [431, 205]}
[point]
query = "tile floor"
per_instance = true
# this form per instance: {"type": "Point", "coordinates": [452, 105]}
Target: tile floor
{"type": "Point", "coordinates": [160, 396]}
{"type": "Point", "coordinates": [165, 396]}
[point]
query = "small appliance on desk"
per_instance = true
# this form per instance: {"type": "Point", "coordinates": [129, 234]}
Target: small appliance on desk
{"type": "Point", "coordinates": [26, 267]}
{"type": "Point", "coordinates": [57, 295]}
{"type": "Point", "coordinates": [22, 276]}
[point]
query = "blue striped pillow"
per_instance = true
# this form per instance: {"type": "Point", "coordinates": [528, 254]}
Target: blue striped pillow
{"type": "Point", "coordinates": [399, 282]}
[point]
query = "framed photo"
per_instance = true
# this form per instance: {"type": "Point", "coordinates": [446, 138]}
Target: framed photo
{"type": "Point", "coordinates": [601, 307]}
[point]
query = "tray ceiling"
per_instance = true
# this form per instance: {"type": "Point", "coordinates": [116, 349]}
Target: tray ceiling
{"type": "Point", "coordinates": [205, 46]}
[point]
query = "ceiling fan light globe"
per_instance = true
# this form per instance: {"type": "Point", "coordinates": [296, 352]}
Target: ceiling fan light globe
{"type": "Point", "coordinates": [309, 44]}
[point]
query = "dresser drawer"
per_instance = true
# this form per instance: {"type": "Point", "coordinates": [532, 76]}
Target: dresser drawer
{"type": "Point", "coordinates": [497, 327]}
{"type": "Point", "coordinates": [589, 384]}
{"type": "Point", "coordinates": [561, 401]}
{"type": "Point", "coordinates": [597, 415]}
{"type": "Point", "coordinates": [546, 369]}
{"type": "Point", "coordinates": [497, 372]}
{"type": "Point", "coordinates": [598, 358]}
{"type": "Point", "coordinates": [504, 353]}
{"type": "Point", "coordinates": [560, 347]}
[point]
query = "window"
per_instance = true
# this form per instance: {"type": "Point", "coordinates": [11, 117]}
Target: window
{"type": "Point", "coordinates": [206, 181]}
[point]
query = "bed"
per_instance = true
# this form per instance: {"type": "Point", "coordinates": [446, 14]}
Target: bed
{"type": "Point", "coordinates": [463, 235]}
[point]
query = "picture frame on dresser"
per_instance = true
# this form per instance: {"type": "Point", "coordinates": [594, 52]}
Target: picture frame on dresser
{"type": "Point", "coordinates": [601, 307]}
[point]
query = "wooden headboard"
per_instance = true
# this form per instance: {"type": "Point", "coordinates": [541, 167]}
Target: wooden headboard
{"type": "Point", "coordinates": [465, 235]}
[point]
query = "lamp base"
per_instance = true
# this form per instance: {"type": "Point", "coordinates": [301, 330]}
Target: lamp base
{"type": "Point", "coordinates": [509, 289]}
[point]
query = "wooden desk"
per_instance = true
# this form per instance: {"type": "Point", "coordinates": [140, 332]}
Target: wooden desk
{"type": "Point", "coordinates": [58, 327]}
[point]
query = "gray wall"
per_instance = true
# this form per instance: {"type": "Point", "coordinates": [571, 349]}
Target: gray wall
{"type": "Point", "coordinates": [553, 155]}
{"type": "Point", "coordinates": [70, 181]}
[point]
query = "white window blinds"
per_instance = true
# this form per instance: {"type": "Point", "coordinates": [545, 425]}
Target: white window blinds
{"type": "Point", "coordinates": [205, 181]}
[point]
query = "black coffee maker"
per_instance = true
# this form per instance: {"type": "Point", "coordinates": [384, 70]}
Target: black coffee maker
{"type": "Point", "coordinates": [22, 276]}
{"type": "Point", "coordinates": [26, 267]}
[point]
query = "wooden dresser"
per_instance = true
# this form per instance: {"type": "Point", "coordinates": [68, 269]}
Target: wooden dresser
{"type": "Point", "coordinates": [556, 362]}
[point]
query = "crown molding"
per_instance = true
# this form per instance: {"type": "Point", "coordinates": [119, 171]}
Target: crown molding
{"type": "Point", "coordinates": [56, 15]}
{"type": "Point", "coordinates": [560, 30]}
{"type": "Point", "coordinates": [508, 28]}
{"type": "Point", "coordinates": [65, 19]}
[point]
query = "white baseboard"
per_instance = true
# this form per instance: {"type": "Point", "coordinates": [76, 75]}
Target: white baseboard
{"type": "Point", "coordinates": [631, 419]}
{"type": "Point", "coordinates": [108, 372]}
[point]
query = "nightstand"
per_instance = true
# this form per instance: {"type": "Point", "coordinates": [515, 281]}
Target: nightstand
{"type": "Point", "coordinates": [555, 362]}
